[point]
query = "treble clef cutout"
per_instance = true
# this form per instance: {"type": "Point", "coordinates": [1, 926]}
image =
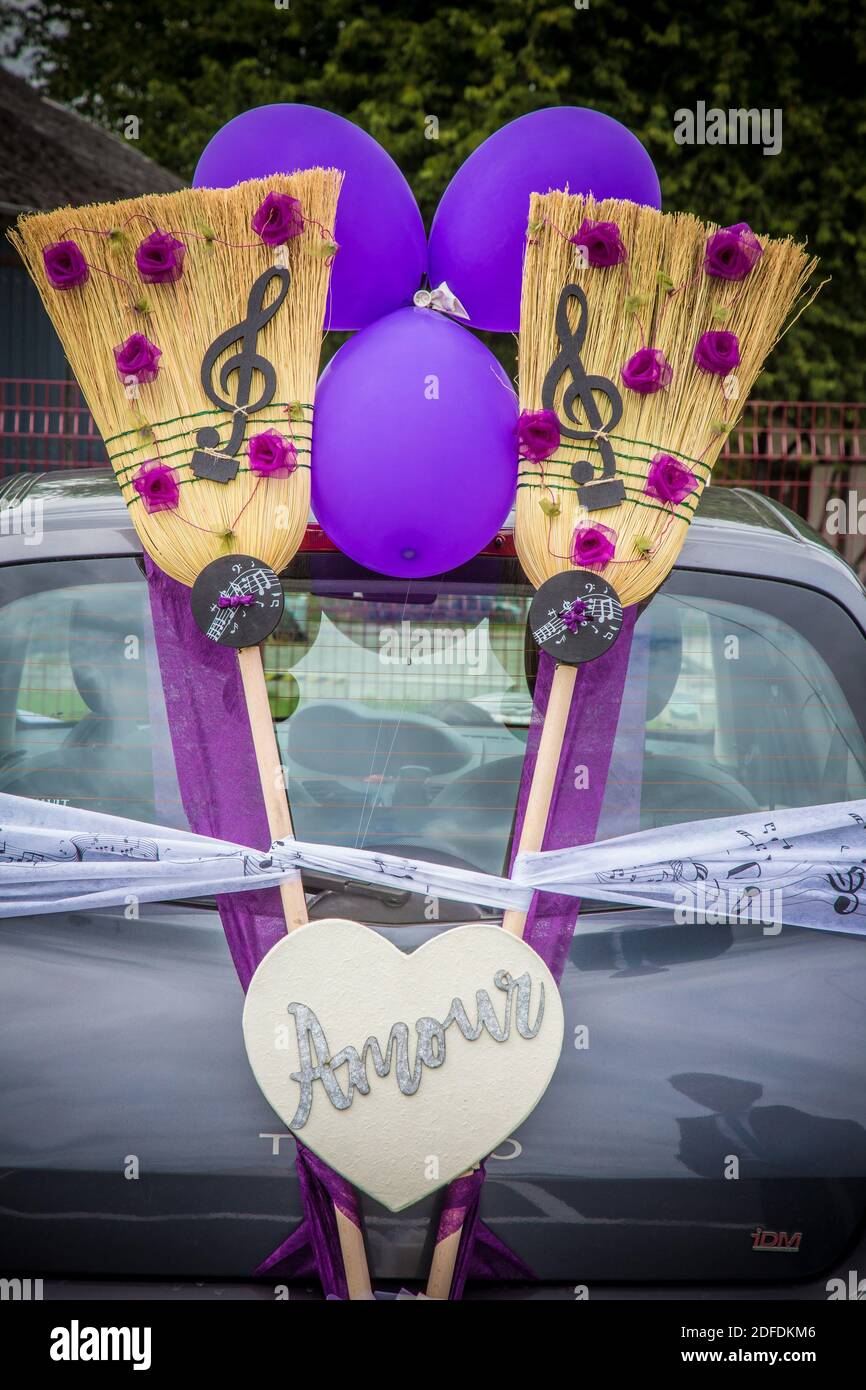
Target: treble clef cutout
{"type": "Point", "coordinates": [609, 491]}
{"type": "Point", "coordinates": [848, 884]}
{"type": "Point", "coordinates": [219, 464]}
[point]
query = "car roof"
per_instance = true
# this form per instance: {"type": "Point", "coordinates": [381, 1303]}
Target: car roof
{"type": "Point", "coordinates": [734, 530]}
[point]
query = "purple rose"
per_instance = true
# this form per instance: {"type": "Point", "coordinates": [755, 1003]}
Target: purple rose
{"type": "Point", "coordinates": [65, 265]}
{"type": "Point", "coordinates": [647, 371]}
{"type": "Point", "coordinates": [137, 360]}
{"type": "Point", "coordinates": [593, 546]}
{"type": "Point", "coordinates": [272, 455]}
{"type": "Point", "coordinates": [669, 480]}
{"type": "Point", "coordinates": [717, 352]}
{"type": "Point", "coordinates": [157, 486]}
{"type": "Point", "coordinates": [732, 252]}
{"type": "Point", "coordinates": [159, 258]}
{"type": "Point", "coordinates": [278, 219]}
{"type": "Point", "coordinates": [602, 241]}
{"type": "Point", "coordinates": [537, 434]}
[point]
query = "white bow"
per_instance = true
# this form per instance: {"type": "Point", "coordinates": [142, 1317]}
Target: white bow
{"type": "Point", "coordinates": [442, 300]}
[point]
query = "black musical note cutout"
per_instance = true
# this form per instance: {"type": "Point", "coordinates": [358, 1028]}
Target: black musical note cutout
{"type": "Point", "coordinates": [219, 464]}
{"type": "Point", "coordinates": [610, 490]}
{"type": "Point", "coordinates": [848, 884]}
{"type": "Point", "coordinates": [575, 616]}
{"type": "Point", "coordinates": [765, 846]}
{"type": "Point", "coordinates": [750, 870]}
{"type": "Point", "coordinates": [237, 601]}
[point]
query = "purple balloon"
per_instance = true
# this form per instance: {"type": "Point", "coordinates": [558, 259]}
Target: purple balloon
{"type": "Point", "coordinates": [414, 454]}
{"type": "Point", "coordinates": [477, 237]}
{"type": "Point", "coordinates": [383, 249]}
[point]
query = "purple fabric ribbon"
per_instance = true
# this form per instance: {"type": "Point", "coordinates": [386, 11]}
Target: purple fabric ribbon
{"type": "Point", "coordinates": [480, 1254]}
{"type": "Point", "coordinates": [314, 1248]}
{"type": "Point", "coordinates": [577, 796]}
{"type": "Point", "coordinates": [203, 690]}
{"type": "Point", "coordinates": [204, 694]}
{"type": "Point", "coordinates": [574, 812]}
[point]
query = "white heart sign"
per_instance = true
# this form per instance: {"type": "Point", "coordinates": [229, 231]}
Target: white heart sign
{"type": "Point", "coordinates": [401, 1070]}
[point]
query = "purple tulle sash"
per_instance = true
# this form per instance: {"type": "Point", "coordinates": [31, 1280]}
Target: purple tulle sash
{"type": "Point", "coordinates": [314, 1247]}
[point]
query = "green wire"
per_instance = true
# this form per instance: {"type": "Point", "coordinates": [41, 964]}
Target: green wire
{"type": "Point", "coordinates": [184, 481]}
{"type": "Point", "coordinates": [274, 405]}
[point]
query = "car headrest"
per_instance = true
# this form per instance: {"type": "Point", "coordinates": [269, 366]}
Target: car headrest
{"type": "Point", "coordinates": [346, 740]}
{"type": "Point", "coordinates": [665, 653]}
{"type": "Point", "coordinates": [106, 651]}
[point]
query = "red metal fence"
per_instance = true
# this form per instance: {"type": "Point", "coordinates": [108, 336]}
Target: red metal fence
{"type": "Point", "coordinates": [46, 425]}
{"type": "Point", "coordinates": [811, 456]}
{"type": "Point", "coordinates": [802, 453]}
{"type": "Point", "coordinates": [777, 445]}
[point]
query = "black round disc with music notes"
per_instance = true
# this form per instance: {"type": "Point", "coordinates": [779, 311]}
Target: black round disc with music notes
{"type": "Point", "coordinates": [237, 601]}
{"type": "Point", "coordinates": [575, 617]}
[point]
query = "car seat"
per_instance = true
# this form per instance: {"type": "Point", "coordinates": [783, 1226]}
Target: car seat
{"type": "Point", "coordinates": [104, 762]}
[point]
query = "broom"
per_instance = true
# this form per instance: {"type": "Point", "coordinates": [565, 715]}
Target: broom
{"type": "Point", "coordinates": [193, 321]}
{"type": "Point", "coordinates": [641, 335]}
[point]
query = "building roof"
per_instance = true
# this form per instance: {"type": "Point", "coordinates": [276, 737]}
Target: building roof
{"type": "Point", "coordinates": [51, 156]}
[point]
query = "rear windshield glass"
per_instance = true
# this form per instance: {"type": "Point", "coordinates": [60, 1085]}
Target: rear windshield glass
{"type": "Point", "coordinates": [402, 710]}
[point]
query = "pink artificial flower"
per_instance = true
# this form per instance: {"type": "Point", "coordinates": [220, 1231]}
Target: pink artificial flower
{"type": "Point", "coordinates": [537, 434]}
{"type": "Point", "coordinates": [65, 266]}
{"type": "Point", "coordinates": [669, 480]}
{"type": "Point", "coordinates": [593, 547]}
{"type": "Point", "coordinates": [277, 219]}
{"type": "Point", "coordinates": [732, 252]}
{"type": "Point", "coordinates": [602, 241]}
{"type": "Point", "coordinates": [159, 258]}
{"type": "Point", "coordinates": [272, 455]}
{"type": "Point", "coordinates": [647, 371]}
{"type": "Point", "coordinates": [718, 353]}
{"type": "Point", "coordinates": [137, 360]}
{"type": "Point", "coordinates": [157, 486]}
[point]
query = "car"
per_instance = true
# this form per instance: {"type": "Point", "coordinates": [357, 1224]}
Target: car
{"type": "Point", "coordinates": [709, 1109]}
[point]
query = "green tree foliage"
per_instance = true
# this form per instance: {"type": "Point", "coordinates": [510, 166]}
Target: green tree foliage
{"type": "Point", "coordinates": [186, 68]}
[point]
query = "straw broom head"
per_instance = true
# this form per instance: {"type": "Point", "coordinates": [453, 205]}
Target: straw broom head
{"type": "Point", "coordinates": [159, 420]}
{"type": "Point", "coordinates": [660, 297]}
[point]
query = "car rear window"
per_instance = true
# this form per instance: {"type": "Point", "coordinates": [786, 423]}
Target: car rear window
{"type": "Point", "coordinates": [402, 709]}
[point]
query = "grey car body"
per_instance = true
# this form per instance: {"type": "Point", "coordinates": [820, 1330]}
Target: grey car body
{"type": "Point", "coordinates": [135, 1145]}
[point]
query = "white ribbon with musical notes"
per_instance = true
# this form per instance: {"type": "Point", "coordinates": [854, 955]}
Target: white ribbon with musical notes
{"type": "Point", "coordinates": [802, 867]}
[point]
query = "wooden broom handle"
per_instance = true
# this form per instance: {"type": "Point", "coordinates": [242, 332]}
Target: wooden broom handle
{"type": "Point", "coordinates": [354, 1258]}
{"type": "Point", "coordinates": [514, 920]}
{"type": "Point", "coordinates": [279, 817]}
{"type": "Point", "coordinates": [543, 777]}
{"type": "Point", "coordinates": [271, 776]}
